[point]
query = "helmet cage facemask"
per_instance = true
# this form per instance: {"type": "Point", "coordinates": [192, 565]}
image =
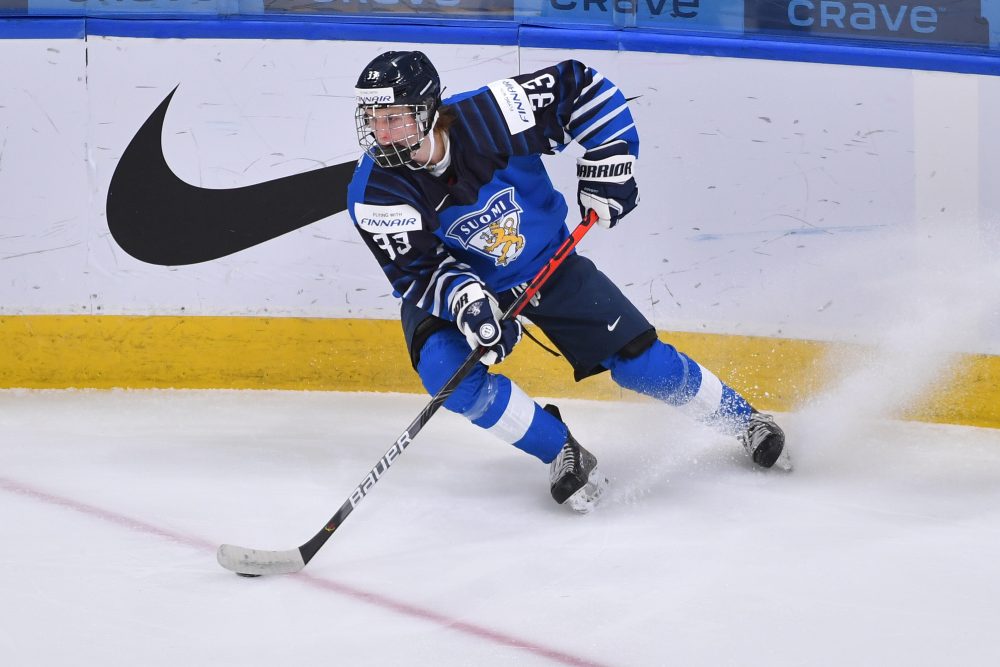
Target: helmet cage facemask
{"type": "Point", "coordinates": [419, 116]}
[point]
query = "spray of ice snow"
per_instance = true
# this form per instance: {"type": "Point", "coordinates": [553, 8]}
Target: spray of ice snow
{"type": "Point", "coordinates": [941, 307]}
{"type": "Point", "coordinates": [945, 303]}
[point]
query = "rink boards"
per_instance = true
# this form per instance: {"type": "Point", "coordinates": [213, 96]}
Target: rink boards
{"type": "Point", "coordinates": [109, 351]}
{"type": "Point", "coordinates": [788, 208]}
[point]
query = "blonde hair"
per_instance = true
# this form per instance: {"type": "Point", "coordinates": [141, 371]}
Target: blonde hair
{"type": "Point", "coordinates": [446, 118]}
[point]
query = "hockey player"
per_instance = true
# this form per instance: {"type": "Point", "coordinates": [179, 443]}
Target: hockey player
{"type": "Point", "coordinates": [453, 200]}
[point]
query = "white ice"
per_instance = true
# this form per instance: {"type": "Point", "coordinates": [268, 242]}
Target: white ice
{"type": "Point", "coordinates": [881, 548]}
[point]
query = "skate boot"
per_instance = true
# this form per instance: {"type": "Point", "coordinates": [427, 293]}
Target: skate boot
{"type": "Point", "coordinates": [573, 474]}
{"type": "Point", "coordinates": [765, 442]}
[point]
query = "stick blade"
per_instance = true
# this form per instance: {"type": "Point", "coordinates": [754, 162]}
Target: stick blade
{"type": "Point", "coordinates": [257, 562]}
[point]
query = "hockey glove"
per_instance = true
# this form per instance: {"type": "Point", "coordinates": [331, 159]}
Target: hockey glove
{"type": "Point", "coordinates": [606, 184]}
{"type": "Point", "coordinates": [477, 315]}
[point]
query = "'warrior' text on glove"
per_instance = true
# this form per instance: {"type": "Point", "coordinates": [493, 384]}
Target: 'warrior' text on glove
{"type": "Point", "coordinates": [607, 184]}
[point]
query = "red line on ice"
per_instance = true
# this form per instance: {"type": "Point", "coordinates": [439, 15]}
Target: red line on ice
{"type": "Point", "coordinates": [374, 599]}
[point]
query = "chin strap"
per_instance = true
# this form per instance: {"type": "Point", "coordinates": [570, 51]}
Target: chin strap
{"type": "Point", "coordinates": [440, 167]}
{"type": "Point", "coordinates": [430, 154]}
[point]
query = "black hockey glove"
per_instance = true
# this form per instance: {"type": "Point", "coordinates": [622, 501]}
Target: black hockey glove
{"type": "Point", "coordinates": [477, 315]}
{"type": "Point", "coordinates": [606, 183]}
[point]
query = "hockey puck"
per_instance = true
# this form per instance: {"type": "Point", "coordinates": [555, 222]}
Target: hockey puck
{"type": "Point", "coordinates": [244, 574]}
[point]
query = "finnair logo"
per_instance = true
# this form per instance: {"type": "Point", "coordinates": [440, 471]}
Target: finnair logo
{"type": "Point", "coordinates": [386, 219]}
{"type": "Point", "coordinates": [374, 95]}
{"type": "Point", "coordinates": [514, 105]}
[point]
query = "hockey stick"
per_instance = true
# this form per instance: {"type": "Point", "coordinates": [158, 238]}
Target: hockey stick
{"type": "Point", "coordinates": [257, 562]}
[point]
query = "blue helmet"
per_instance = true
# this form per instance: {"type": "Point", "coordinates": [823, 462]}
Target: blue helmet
{"type": "Point", "coordinates": [397, 79]}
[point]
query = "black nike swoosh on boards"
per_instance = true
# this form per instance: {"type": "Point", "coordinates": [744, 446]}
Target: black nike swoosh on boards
{"type": "Point", "coordinates": [158, 218]}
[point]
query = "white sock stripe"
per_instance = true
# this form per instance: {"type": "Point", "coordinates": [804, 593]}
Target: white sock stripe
{"type": "Point", "coordinates": [516, 417]}
{"type": "Point", "coordinates": [708, 398]}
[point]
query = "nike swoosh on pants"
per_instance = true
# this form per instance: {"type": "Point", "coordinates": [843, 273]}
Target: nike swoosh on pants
{"type": "Point", "coordinates": [158, 218]}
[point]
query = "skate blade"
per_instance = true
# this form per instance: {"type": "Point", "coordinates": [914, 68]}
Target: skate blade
{"type": "Point", "coordinates": [784, 462]}
{"type": "Point", "coordinates": [589, 495]}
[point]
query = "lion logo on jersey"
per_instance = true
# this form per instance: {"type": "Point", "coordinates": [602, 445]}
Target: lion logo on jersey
{"type": "Point", "coordinates": [493, 230]}
{"type": "Point", "coordinates": [503, 236]}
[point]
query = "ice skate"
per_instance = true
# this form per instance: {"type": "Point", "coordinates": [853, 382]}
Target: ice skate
{"type": "Point", "coordinates": [764, 441]}
{"type": "Point", "coordinates": [573, 474]}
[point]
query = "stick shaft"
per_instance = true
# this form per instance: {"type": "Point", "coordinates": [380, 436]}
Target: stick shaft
{"type": "Point", "coordinates": [310, 548]}
{"type": "Point", "coordinates": [256, 562]}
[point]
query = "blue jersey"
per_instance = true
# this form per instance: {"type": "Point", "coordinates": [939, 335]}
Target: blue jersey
{"type": "Point", "coordinates": [493, 215]}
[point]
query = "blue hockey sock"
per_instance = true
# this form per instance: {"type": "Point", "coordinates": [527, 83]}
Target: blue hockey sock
{"type": "Point", "coordinates": [507, 412]}
{"type": "Point", "coordinates": [734, 410]}
{"type": "Point", "coordinates": [490, 401]}
{"type": "Point", "coordinates": [671, 376]}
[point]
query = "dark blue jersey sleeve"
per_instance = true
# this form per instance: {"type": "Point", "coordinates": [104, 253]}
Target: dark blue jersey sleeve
{"type": "Point", "coordinates": [543, 111]}
{"type": "Point", "coordinates": [573, 102]}
{"type": "Point", "coordinates": [396, 226]}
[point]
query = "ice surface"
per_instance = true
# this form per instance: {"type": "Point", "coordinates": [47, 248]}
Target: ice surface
{"type": "Point", "coordinates": [882, 548]}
